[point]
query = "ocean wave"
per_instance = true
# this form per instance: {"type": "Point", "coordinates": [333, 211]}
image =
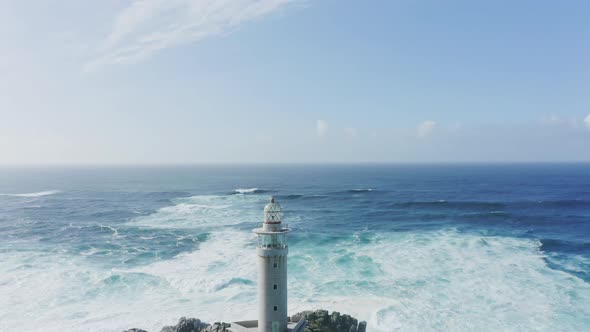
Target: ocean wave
{"type": "Point", "coordinates": [203, 211]}
{"type": "Point", "coordinates": [361, 190]}
{"type": "Point", "coordinates": [244, 191]}
{"type": "Point", "coordinates": [112, 229]}
{"type": "Point", "coordinates": [494, 206]}
{"type": "Point", "coordinates": [233, 281]}
{"type": "Point", "coordinates": [411, 272]}
{"type": "Point", "coordinates": [567, 203]}
{"type": "Point", "coordinates": [35, 194]}
{"type": "Point", "coordinates": [301, 197]}
{"type": "Point", "coordinates": [489, 206]}
{"type": "Point", "coordinates": [565, 246]}
{"type": "Point", "coordinates": [348, 192]}
{"type": "Point", "coordinates": [292, 196]}
{"type": "Point", "coordinates": [475, 283]}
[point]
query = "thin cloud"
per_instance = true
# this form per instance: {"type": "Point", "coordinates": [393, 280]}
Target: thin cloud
{"type": "Point", "coordinates": [426, 128]}
{"type": "Point", "coordinates": [321, 128]}
{"type": "Point", "coordinates": [558, 121]}
{"type": "Point", "coordinates": [148, 26]}
{"type": "Point", "coordinates": [587, 121]}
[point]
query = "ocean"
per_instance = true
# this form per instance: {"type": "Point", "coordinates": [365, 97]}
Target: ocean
{"type": "Point", "coordinates": [442, 247]}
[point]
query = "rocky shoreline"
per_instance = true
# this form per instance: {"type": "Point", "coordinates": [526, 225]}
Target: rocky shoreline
{"type": "Point", "coordinates": [317, 321]}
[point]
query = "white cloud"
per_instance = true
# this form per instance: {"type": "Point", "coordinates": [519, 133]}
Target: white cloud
{"type": "Point", "coordinates": [147, 26]}
{"type": "Point", "coordinates": [426, 128]}
{"type": "Point", "coordinates": [587, 121]}
{"type": "Point", "coordinates": [321, 128]}
{"type": "Point", "coordinates": [558, 121]}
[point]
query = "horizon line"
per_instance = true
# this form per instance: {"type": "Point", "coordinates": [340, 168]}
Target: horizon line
{"type": "Point", "coordinates": [335, 163]}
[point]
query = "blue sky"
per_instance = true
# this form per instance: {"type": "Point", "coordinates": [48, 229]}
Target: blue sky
{"type": "Point", "coordinates": [214, 81]}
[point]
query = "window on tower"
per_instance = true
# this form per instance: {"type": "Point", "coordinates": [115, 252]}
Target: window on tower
{"type": "Point", "coordinates": [275, 265]}
{"type": "Point", "coordinates": [276, 308]}
{"type": "Point", "coordinates": [275, 286]}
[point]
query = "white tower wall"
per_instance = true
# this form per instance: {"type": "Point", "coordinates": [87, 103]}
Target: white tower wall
{"type": "Point", "coordinates": [272, 271]}
{"type": "Point", "coordinates": [272, 290]}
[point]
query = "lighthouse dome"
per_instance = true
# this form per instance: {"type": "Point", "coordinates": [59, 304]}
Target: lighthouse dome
{"type": "Point", "coordinates": [273, 212]}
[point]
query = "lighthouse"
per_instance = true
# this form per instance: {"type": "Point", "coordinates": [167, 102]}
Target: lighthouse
{"type": "Point", "coordinates": [272, 253]}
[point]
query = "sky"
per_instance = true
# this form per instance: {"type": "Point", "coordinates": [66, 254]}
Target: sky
{"type": "Point", "coordinates": [293, 81]}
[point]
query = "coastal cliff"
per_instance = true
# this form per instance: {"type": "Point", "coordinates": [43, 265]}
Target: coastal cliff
{"type": "Point", "coordinates": [317, 321]}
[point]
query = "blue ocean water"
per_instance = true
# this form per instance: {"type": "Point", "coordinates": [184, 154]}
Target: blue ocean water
{"type": "Point", "coordinates": [405, 247]}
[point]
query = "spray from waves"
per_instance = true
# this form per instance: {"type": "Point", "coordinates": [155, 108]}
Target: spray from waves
{"type": "Point", "coordinates": [35, 194]}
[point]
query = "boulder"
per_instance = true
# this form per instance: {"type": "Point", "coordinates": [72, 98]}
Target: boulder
{"type": "Point", "coordinates": [362, 326]}
{"type": "Point", "coordinates": [323, 321]}
{"type": "Point", "coordinates": [186, 325]}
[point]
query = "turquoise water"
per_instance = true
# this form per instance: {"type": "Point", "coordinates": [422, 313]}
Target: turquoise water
{"type": "Point", "coordinates": [405, 247]}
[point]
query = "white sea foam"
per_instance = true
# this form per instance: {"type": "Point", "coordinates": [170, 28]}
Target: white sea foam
{"type": "Point", "coordinates": [204, 211]}
{"type": "Point", "coordinates": [62, 293]}
{"type": "Point", "coordinates": [111, 228]}
{"type": "Point", "coordinates": [411, 281]}
{"type": "Point", "coordinates": [35, 194]}
{"type": "Point", "coordinates": [443, 281]}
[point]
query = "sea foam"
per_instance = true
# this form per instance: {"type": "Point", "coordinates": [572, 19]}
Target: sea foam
{"type": "Point", "coordinates": [463, 282]}
{"type": "Point", "coordinates": [410, 281]}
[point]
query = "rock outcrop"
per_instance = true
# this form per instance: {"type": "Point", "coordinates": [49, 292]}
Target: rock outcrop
{"type": "Point", "coordinates": [323, 321]}
{"type": "Point", "coordinates": [187, 325]}
{"type": "Point", "coordinates": [317, 321]}
{"type": "Point", "coordinates": [190, 325]}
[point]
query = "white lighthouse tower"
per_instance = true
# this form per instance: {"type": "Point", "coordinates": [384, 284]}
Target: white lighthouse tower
{"type": "Point", "coordinates": [272, 270]}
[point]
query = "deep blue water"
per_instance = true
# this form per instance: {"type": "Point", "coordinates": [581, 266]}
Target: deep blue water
{"type": "Point", "coordinates": [408, 247]}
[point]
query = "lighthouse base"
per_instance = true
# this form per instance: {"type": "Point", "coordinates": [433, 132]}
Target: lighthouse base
{"type": "Point", "coordinates": [252, 326]}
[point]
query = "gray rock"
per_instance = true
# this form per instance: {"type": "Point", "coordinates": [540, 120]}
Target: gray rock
{"type": "Point", "coordinates": [362, 326]}
{"type": "Point", "coordinates": [218, 327]}
{"type": "Point", "coordinates": [317, 321]}
{"type": "Point", "coordinates": [186, 325]}
{"type": "Point", "coordinates": [335, 317]}
{"type": "Point", "coordinates": [323, 321]}
{"type": "Point", "coordinates": [297, 317]}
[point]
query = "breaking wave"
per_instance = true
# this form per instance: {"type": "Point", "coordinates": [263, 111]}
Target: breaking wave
{"type": "Point", "coordinates": [361, 190]}
{"type": "Point", "coordinates": [420, 278]}
{"type": "Point", "coordinates": [35, 194]}
{"type": "Point", "coordinates": [204, 211]}
{"type": "Point", "coordinates": [464, 282]}
{"type": "Point", "coordinates": [249, 191]}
